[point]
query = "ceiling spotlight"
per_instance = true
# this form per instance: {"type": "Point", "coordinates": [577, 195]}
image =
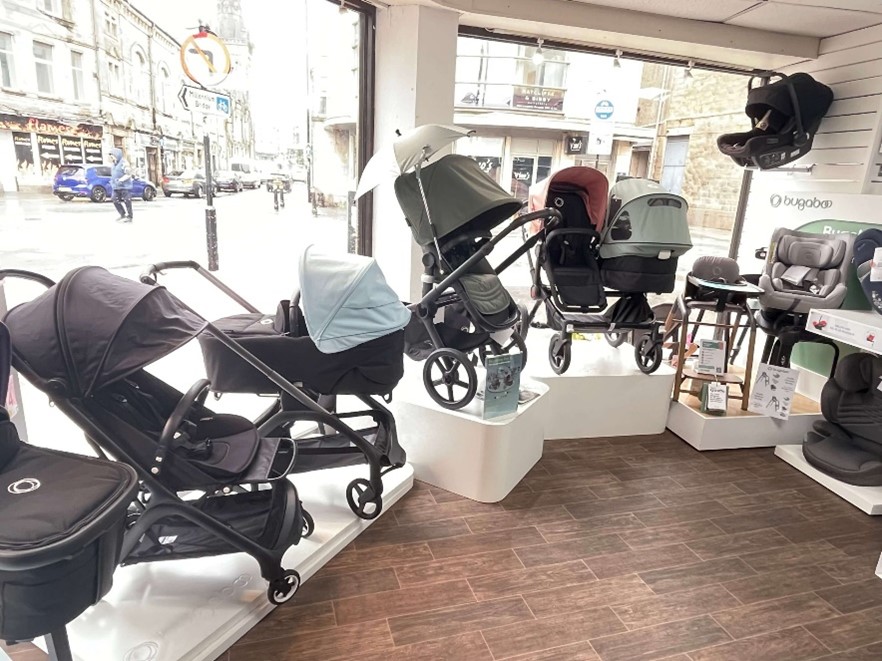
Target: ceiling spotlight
{"type": "Point", "coordinates": [342, 9]}
{"type": "Point", "coordinates": [617, 63]}
{"type": "Point", "coordinates": [539, 56]}
{"type": "Point", "coordinates": [688, 75]}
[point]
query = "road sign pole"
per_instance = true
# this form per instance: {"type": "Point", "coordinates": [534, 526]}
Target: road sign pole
{"type": "Point", "coordinates": [210, 212]}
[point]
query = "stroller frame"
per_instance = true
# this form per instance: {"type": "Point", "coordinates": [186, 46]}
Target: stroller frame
{"type": "Point", "coordinates": [364, 496]}
{"type": "Point", "coordinates": [159, 502]}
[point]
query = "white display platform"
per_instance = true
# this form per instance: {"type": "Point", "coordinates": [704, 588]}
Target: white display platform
{"type": "Point", "coordinates": [866, 499]}
{"type": "Point", "coordinates": [188, 610]}
{"type": "Point", "coordinates": [459, 451]}
{"type": "Point", "coordinates": [597, 395]}
{"type": "Point", "coordinates": [737, 430]}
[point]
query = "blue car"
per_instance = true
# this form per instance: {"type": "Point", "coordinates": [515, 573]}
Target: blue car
{"type": "Point", "coordinates": [93, 181]}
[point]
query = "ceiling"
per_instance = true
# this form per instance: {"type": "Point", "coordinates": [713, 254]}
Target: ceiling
{"type": "Point", "coordinates": [748, 34]}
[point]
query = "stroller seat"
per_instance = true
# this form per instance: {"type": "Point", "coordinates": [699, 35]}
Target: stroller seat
{"type": "Point", "coordinates": [847, 444]}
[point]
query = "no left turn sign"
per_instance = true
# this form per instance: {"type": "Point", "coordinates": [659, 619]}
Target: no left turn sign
{"type": "Point", "coordinates": [205, 59]}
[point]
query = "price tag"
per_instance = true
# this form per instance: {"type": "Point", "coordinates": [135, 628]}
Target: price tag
{"type": "Point", "coordinates": [717, 396]}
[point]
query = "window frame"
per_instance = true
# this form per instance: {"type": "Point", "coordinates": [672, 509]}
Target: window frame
{"type": "Point", "coordinates": [48, 63]}
{"type": "Point", "coordinates": [10, 60]}
{"type": "Point", "coordinates": [78, 76]}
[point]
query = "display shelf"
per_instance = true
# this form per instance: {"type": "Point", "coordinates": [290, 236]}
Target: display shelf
{"type": "Point", "coordinates": [597, 395]}
{"type": "Point", "coordinates": [193, 610]}
{"type": "Point", "coordinates": [866, 499]}
{"type": "Point", "coordinates": [857, 328]}
{"type": "Point", "coordinates": [458, 450]}
{"type": "Point", "coordinates": [739, 429]}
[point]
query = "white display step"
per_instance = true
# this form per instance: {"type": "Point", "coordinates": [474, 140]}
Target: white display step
{"type": "Point", "coordinates": [601, 392]}
{"type": "Point", "coordinates": [193, 610]}
{"type": "Point", "coordinates": [458, 450]}
{"type": "Point", "coordinates": [857, 328]}
{"type": "Point", "coordinates": [866, 499]}
{"type": "Point", "coordinates": [739, 429]}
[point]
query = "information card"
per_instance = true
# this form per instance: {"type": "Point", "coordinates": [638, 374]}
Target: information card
{"type": "Point", "coordinates": [773, 391]}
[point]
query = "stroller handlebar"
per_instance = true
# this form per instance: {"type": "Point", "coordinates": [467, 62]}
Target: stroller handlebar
{"type": "Point", "coordinates": [21, 274]}
{"type": "Point", "coordinates": [149, 278]}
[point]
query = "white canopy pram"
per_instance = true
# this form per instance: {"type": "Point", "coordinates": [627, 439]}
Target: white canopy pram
{"type": "Point", "coordinates": [346, 301]}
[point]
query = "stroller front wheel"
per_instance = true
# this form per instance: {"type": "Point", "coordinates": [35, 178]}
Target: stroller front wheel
{"type": "Point", "coordinates": [362, 500]}
{"type": "Point", "coordinates": [283, 589]}
{"type": "Point", "coordinates": [308, 525]}
{"type": "Point", "coordinates": [648, 353]}
{"type": "Point", "coordinates": [450, 378]}
{"type": "Point", "coordinates": [616, 339]}
{"type": "Point", "coordinates": [560, 353]}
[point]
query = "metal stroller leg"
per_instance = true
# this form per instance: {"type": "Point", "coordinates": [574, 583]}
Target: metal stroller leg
{"type": "Point", "coordinates": [58, 645]}
{"type": "Point", "coordinates": [767, 348]}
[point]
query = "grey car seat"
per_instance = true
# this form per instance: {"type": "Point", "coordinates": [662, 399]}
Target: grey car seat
{"type": "Point", "coordinates": [803, 271]}
{"type": "Point", "coordinates": [847, 444]}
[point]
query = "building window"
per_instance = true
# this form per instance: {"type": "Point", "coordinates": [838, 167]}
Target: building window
{"type": "Point", "coordinates": [76, 70]}
{"type": "Point", "coordinates": [48, 6]}
{"type": "Point", "coordinates": [114, 78]}
{"type": "Point", "coordinates": [7, 65]}
{"type": "Point", "coordinates": [674, 165]}
{"type": "Point", "coordinates": [138, 82]}
{"type": "Point", "coordinates": [43, 64]}
{"type": "Point", "coordinates": [164, 89]}
{"type": "Point", "coordinates": [111, 26]}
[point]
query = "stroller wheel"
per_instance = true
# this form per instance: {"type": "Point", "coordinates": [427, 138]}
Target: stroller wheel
{"type": "Point", "coordinates": [559, 353]}
{"type": "Point", "coordinates": [516, 342]}
{"type": "Point", "coordinates": [648, 354]}
{"type": "Point", "coordinates": [282, 589]}
{"type": "Point", "coordinates": [616, 339]}
{"type": "Point", "coordinates": [450, 378]}
{"type": "Point", "coordinates": [308, 525]}
{"type": "Point", "coordinates": [361, 499]}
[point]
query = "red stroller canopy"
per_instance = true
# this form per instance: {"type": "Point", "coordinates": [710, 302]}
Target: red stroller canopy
{"type": "Point", "coordinates": [591, 185]}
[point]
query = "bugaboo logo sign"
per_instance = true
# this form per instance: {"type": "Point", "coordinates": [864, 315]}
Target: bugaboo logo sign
{"type": "Point", "coordinates": [800, 203]}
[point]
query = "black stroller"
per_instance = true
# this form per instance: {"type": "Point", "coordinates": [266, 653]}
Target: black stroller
{"type": "Point", "coordinates": [211, 484]}
{"type": "Point", "coordinates": [590, 259]}
{"type": "Point", "coordinates": [785, 115]}
{"type": "Point", "coordinates": [452, 206]}
{"type": "Point", "coordinates": [62, 519]}
{"type": "Point", "coordinates": [355, 348]}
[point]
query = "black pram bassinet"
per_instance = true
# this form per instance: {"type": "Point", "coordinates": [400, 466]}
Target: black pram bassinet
{"type": "Point", "coordinates": [785, 115]}
{"type": "Point", "coordinates": [62, 519]}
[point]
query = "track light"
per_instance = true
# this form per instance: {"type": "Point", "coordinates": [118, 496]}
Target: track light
{"type": "Point", "coordinates": [688, 75]}
{"type": "Point", "coordinates": [617, 63]}
{"type": "Point", "coordinates": [342, 9]}
{"type": "Point", "coordinates": [539, 56]}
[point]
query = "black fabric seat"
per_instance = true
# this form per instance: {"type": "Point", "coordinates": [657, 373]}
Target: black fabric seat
{"type": "Point", "coordinates": [847, 444]}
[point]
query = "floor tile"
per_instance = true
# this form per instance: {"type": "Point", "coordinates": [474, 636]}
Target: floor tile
{"type": "Point", "coordinates": [742, 542]}
{"type": "Point", "coordinates": [663, 608]}
{"type": "Point", "coordinates": [443, 496]}
{"type": "Point", "coordinates": [835, 526]}
{"type": "Point", "coordinates": [377, 558]}
{"type": "Point", "coordinates": [780, 584]}
{"type": "Point", "coordinates": [853, 569]}
{"type": "Point", "coordinates": [671, 515]}
{"type": "Point", "coordinates": [627, 562]}
{"type": "Point", "coordinates": [794, 556]}
{"type": "Point", "coordinates": [288, 618]}
{"type": "Point", "coordinates": [382, 605]}
{"type": "Point", "coordinates": [636, 487]}
{"type": "Point", "coordinates": [696, 575]}
{"type": "Point", "coordinates": [868, 653]}
{"type": "Point", "coordinates": [660, 641]}
{"type": "Point", "coordinates": [326, 588]}
{"type": "Point", "coordinates": [763, 502]}
{"type": "Point", "coordinates": [653, 470]}
{"type": "Point", "coordinates": [766, 485]}
{"type": "Point", "coordinates": [438, 571]}
{"type": "Point", "coordinates": [606, 592]}
{"type": "Point", "coordinates": [410, 629]}
{"type": "Point", "coordinates": [574, 652]}
{"type": "Point", "coordinates": [469, 646]}
{"type": "Point", "coordinates": [562, 530]}
{"type": "Point", "coordinates": [849, 631]}
{"type": "Point", "coordinates": [367, 638]}
{"type": "Point", "coordinates": [713, 477]}
{"type": "Point", "coordinates": [795, 644]}
{"type": "Point", "coordinates": [856, 544]}
{"type": "Point", "coordinates": [697, 495]}
{"type": "Point", "coordinates": [587, 479]}
{"type": "Point", "coordinates": [438, 512]}
{"type": "Point", "coordinates": [517, 639]}
{"type": "Point", "coordinates": [416, 532]}
{"type": "Point", "coordinates": [665, 535]}
{"type": "Point", "coordinates": [854, 596]}
{"type": "Point", "coordinates": [487, 541]}
{"type": "Point", "coordinates": [522, 499]}
{"type": "Point", "coordinates": [574, 549]}
{"type": "Point", "coordinates": [562, 463]}
{"type": "Point", "coordinates": [766, 616]}
{"type": "Point", "coordinates": [757, 520]}
{"type": "Point", "coordinates": [523, 581]}
{"type": "Point", "coordinates": [601, 507]}
{"type": "Point", "coordinates": [508, 519]}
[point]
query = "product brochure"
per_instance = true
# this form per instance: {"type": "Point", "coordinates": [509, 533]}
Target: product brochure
{"type": "Point", "coordinates": [502, 385]}
{"type": "Point", "coordinates": [773, 391]}
{"type": "Point", "coordinates": [711, 357]}
{"type": "Point", "coordinates": [714, 398]}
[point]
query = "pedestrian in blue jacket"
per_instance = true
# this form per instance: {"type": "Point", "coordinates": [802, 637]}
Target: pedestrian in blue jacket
{"type": "Point", "coordinates": [121, 182]}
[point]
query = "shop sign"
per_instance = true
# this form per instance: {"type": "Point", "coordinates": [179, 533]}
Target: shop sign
{"type": "Point", "coordinates": [50, 154]}
{"type": "Point", "coordinates": [24, 154]}
{"type": "Point", "coordinates": [537, 98]}
{"type": "Point", "coordinates": [47, 126]}
{"type": "Point", "coordinates": [94, 153]}
{"type": "Point", "coordinates": [489, 165]}
{"type": "Point", "coordinates": [72, 150]}
{"type": "Point", "coordinates": [604, 109]}
{"type": "Point", "coordinates": [576, 144]}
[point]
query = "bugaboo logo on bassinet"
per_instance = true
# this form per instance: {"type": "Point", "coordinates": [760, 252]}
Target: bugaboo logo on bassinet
{"type": "Point", "coordinates": [800, 203]}
{"type": "Point", "coordinates": [24, 485]}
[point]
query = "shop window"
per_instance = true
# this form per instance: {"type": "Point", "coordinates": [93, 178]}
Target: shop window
{"type": "Point", "coordinates": [43, 65]}
{"type": "Point", "coordinates": [76, 70]}
{"type": "Point", "coordinates": [24, 154]}
{"type": "Point", "coordinates": [7, 63]}
{"type": "Point", "coordinates": [50, 153]}
{"type": "Point", "coordinates": [487, 151]}
{"type": "Point", "coordinates": [676, 150]}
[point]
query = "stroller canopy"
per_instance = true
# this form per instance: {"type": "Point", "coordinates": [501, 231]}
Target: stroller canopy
{"type": "Point", "coordinates": [591, 185]}
{"type": "Point", "coordinates": [458, 193]}
{"type": "Point", "coordinates": [94, 328]}
{"type": "Point", "coordinates": [776, 101]}
{"type": "Point", "coordinates": [645, 221]}
{"type": "Point", "coordinates": [346, 301]}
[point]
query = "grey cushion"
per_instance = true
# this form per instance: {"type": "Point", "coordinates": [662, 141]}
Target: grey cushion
{"type": "Point", "coordinates": [719, 269]}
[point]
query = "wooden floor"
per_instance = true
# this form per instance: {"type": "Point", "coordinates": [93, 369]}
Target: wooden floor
{"type": "Point", "coordinates": [612, 549]}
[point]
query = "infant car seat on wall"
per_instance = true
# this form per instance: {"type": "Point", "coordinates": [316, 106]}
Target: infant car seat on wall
{"type": "Point", "coordinates": [785, 115]}
{"type": "Point", "coordinates": [847, 444]}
